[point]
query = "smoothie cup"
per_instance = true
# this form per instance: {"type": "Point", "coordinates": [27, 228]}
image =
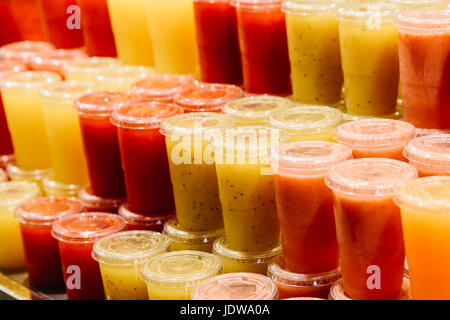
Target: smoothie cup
{"type": "Point", "coordinates": [121, 256]}
{"type": "Point", "coordinates": [173, 275]}
{"type": "Point", "coordinates": [120, 78]}
{"type": "Point", "coordinates": [57, 189]}
{"type": "Point", "coordinates": [313, 41]}
{"type": "Point", "coordinates": [36, 217]}
{"type": "Point", "coordinates": [137, 221]}
{"type": "Point", "coordinates": [24, 112]}
{"type": "Point", "coordinates": [76, 234]}
{"type": "Point", "coordinates": [144, 155]}
{"type": "Point", "coordinates": [24, 51]}
{"type": "Point", "coordinates": [305, 204]}
{"type": "Point", "coordinates": [94, 203]}
{"type": "Point", "coordinates": [162, 87]}
{"type": "Point", "coordinates": [263, 46]}
{"type": "Point", "coordinates": [368, 225]}
{"type": "Point", "coordinates": [37, 176]}
{"type": "Point", "coordinates": [88, 69]}
{"type": "Point", "coordinates": [55, 60]}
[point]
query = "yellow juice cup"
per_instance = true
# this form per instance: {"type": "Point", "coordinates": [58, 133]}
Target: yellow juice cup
{"type": "Point", "coordinates": [121, 256]}
{"type": "Point", "coordinates": [121, 78]}
{"type": "Point", "coordinates": [23, 108]}
{"type": "Point", "coordinates": [37, 176]}
{"type": "Point", "coordinates": [88, 69]}
{"type": "Point", "coordinates": [172, 29]}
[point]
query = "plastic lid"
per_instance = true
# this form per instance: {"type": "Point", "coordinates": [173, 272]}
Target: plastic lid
{"type": "Point", "coordinates": [427, 20]}
{"type": "Point", "coordinates": [91, 65]}
{"type": "Point", "coordinates": [29, 79]}
{"type": "Point", "coordinates": [430, 151]}
{"type": "Point", "coordinates": [306, 119]}
{"type": "Point", "coordinates": [419, 4]}
{"type": "Point", "coordinates": [137, 219]}
{"type": "Point", "coordinates": [236, 286]}
{"type": "Point", "coordinates": [24, 50]}
{"type": "Point", "coordinates": [7, 67]}
{"type": "Point", "coordinates": [369, 177]}
{"type": "Point", "coordinates": [256, 4]}
{"type": "Point", "coordinates": [44, 211]}
{"type": "Point", "coordinates": [207, 96]}
{"type": "Point", "coordinates": [15, 173]}
{"type": "Point", "coordinates": [87, 227]}
{"type": "Point", "coordinates": [14, 192]}
{"type": "Point", "coordinates": [368, 12]}
{"type": "Point", "coordinates": [180, 269]}
{"type": "Point", "coordinates": [93, 202]}
{"type": "Point", "coordinates": [56, 59]}
{"type": "Point", "coordinates": [124, 73]}
{"type": "Point", "coordinates": [66, 90]}
{"type": "Point", "coordinates": [375, 133]}
{"type": "Point", "coordinates": [337, 291]}
{"type": "Point", "coordinates": [129, 247]}
{"type": "Point", "coordinates": [52, 187]}
{"type": "Point", "coordinates": [163, 86]}
{"type": "Point", "coordinates": [220, 248]}
{"type": "Point", "coordinates": [176, 233]}
{"type": "Point", "coordinates": [307, 7]}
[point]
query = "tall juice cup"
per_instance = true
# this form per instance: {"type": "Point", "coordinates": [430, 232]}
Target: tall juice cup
{"type": "Point", "coordinates": [24, 51]}
{"type": "Point", "coordinates": [368, 225]}
{"type": "Point", "coordinates": [121, 78]}
{"type": "Point", "coordinates": [9, 30]}
{"type": "Point", "coordinates": [88, 69]}
{"type": "Point", "coordinates": [313, 41]}
{"type": "Point", "coordinates": [25, 20]}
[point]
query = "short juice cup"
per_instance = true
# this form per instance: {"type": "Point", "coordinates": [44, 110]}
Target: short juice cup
{"type": "Point", "coordinates": [173, 275]}
{"type": "Point", "coordinates": [305, 204]}
{"type": "Point", "coordinates": [162, 87]}
{"type": "Point", "coordinates": [144, 155]}
{"type": "Point", "coordinates": [425, 208]}
{"type": "Point", "coordinates": [218, 43]}
{"type": "Point", "coordinates": [137, 221]}
{"type": "Point", "coordinates": [369, 52]}
{"type": "Point", "coordinates": [192, 168]}
{"type": "Point", "coordinates": [263, 46]}
{"type": "Point", "coordinates": [55, 60]}
{"type": "Point", "coordinates": [94, 203]}
{"type": "Point", "coordinates": [121, 256]}
{"type": "Point", "coordinates": [24, 51]}
{"type": "Point", "coordinates": [76, 234]}
{"type": "Point", "coordinates": [255, 110]}
{"type": "Point", "coordinates": [368, 225]}
{"type": "Point", "coordinates": [36, 217]}
{"type": "Point", "coordinates": [57, 189]}
{"type": "Point", "coordinates": [313, 41]}
{"type": "Point", "coordinates": [12, 194]}
{"type": "Point", "coordinates": [236, 286]}
{"type": "Point", "coordinates": [120, 78]}
{"type": "Point", "coordinates": [88, 69]}
{"type": "Point", "coordinates": [37, 176]}
{"type": "Point", "coordinates": [24, 112]}
{"type": "Point", "coordinates": [307, 123]}
{"type": "Point", "coordinates": [376, 138]}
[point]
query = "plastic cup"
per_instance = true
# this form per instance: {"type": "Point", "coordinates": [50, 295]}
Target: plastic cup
{"type": "Point", "coordinates": [88, 69]}
{"type": "Point", "coordinates": [236, 286]}
{"type": "Point", "coordinates": [292, 284]}
{"type": "Point", "coordinates": [76, 234]}
{"type": "Point", "coordinates": [368, 225]}
{"type": "Point", "coordinates": [121, 256]}
{"type": "Point", "coordinates": [314, 123]}
{"type": "Point", "coordinates": [173, 275]}
{"type": "Point", "coordinates": [137, 221]}
{"type": "Point", "coordinates": [376, 138]}
{"type": "Point", "coordinates": [56, 189]}
{"type": "Point", "coordinates": [121, 78]}
{"type": "Point", "coordinates": [55, 60]}
{"type": "Point", "coordinates": [12, 194]}
{"type": "Point", "coordinates": [305, 204]}
{"type": "Point", "coordinates": [37, 176]}
{"type": "Point", "coordinates": [36, 217]}
{"type": "Point", "coordinates": [407, 5]}
{"type": "Point", "coordinates": [24, 51]}
{"type": "Point", "coordinates": [24, 112]}
{"type": "Point", "coordinates": [94, 203]}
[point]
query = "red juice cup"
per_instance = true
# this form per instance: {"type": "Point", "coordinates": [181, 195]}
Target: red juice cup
{"type": "Point", "coordinates": [368, 225]}
{"type": "Point", "coordinates": [96, 25]}
{"type": "Point", "coordinates": [93, 203]}
{"type": "Point", "coordinates": [305, 204]}
{"type": "Point", "coordinates": [56, 60]}
{"type": "Point", "coordinates": [217, 40]}
{"type": "Point", "coordinates": [263, 46]}
{"type": "Point", "coordinates": [424, 47]}
{"type": "Point", "coordinates": [76, 234]}
{"type": "Point", "coordinates": [24, 51]}
{"type": "Point", "coordinates": [23, 22]}
{"type": "Point", "coordinates": [337, 291]}
{"type": "Point", "coordinates": [36, 217]}
{"type": "Point", "coordinates": [9, 31]}
{"type": "Point", "coordinates": [144, 155]}
{"type": "Point", "coordinates": [55, 18]}
{"type": "Point", "coordinates": [136, 221]}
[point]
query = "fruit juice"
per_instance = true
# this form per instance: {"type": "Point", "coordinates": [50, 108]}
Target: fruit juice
{"type": "Point", "coordinates": [181, 239]}
{"type": "Point", "coordinates": [24, 51]}
{"type": "Point", "coordinates": [144, 155]}
{"type": "Point", "coordinates": [430, 154]}
{"type": "Point", "coordinates": [94, 203]}
{"type": "Point", "coordinates": [12, 194]}
{"type": "Point", "coordinates": [424, 48]}
{"type": "Point", "coordinates": [192, 168]}
{"type": "Point", "coordinates": [263, 46]}
{"type": "Point", "coordinates": [172, 29]}
{"type": "Point", "coordinates": [235, 261]}
{"type": "Point", "coordinates": [290, 284]}
{"type": "Point", "coordinates": [120, 78]}
{"type": "Point", "coordinates": [55, 19]}
{"type": "Point", "coordinates": [368, 225]}
{"type": "Point", "coordinates": [255, 110]}
{"type": "Point", "coordinates": [337, 291]}
{"type": "Point", "coordinates": [305, 204]}
{"type": "Point", "coordinates": [55, 60]}
{"type": "Point", "coordinates": [25, 20]}
{"type": "Point", "coordinates": [313, 41]}
{"type": "Point", "coordinates": [131, 34]}
{"type": "Point", "coordinates": [137, 221]}
{"type": "Point", "coordinates": [369, 52]}
{"type": "Point", "coordinates": [36, 217]}
{"type": "Point", "coordinates": [376, 138]}
{"type": "Point", "coordinates": [37, 176]}
{"type": "Point", "coordinates": [236, 286]}
{"type": "Point", "coordinates": [63, 130]}
{"type": "Point", "coordinates": [88, 69]}
{"type": "Point", "coordinates": [96, 25]}
{"type": "Point", "coordinates": [217, 39]}
{"type": "Point", "coordinates": [56, 189]}
{"type": "Point", "coordinates": [173, 275]}
{"type": "Point", "coordinates": [425, 207]}
{"type": "Point", "coordinates": [121, 256]}
{"type": "Point", "coordinates": [76, 234]}
{"type": "Point", "coordinates": [305, 122]}
{"type": "Point", "coordinates": [9, 31]}
{"type": "Point", "coordinates": [24, 112]}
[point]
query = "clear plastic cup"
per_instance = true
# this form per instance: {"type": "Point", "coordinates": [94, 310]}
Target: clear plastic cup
{"type": "Point", "coordinates": [55, 60]}
{"type": "Point", "coordinates": [24, 51]}
{"type": "Point", "coordinates": [407, 5]}
{"type": "Point", "coordinates": [37, 176]}
{"type": "Point", "coordinates": [376, 138]}
{"type": "Point", "coordinates": [55, 189]}
{"type": "Point", "coordinates": [137, 221]}
{"type": "Point", "coordinates": [121, 78]}
{"type": "Point", "coordinates": [94, 203]}
{"type": "Point", "coordinates": [88, 69]}
{"type": "Point", "coordinates": [236, 286]}
{"type": "Point", "coordinates": [121, 256]}
{"type": "Point", "coordinates": [173, 275]}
